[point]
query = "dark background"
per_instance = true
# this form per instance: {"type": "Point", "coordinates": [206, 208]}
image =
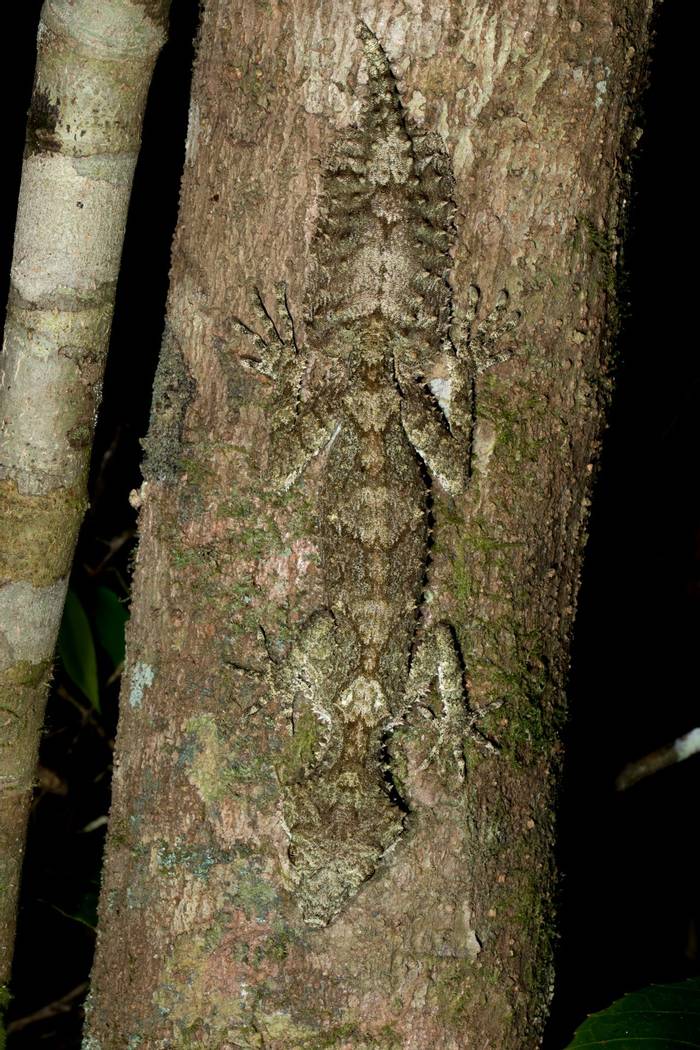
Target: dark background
{"type": "Point", "coordinates": [630, 889]}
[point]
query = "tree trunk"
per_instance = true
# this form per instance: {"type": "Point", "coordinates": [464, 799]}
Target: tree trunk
{"type": "Point", "coordinates": [338, 754]}
{"type": "Point", "coordinates": [94, 67]}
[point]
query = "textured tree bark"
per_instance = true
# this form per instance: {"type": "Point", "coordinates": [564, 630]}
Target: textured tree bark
{"type": "Point", "coordinates": [212, 931]}
{"type": "Point", "coordinates": [94, 67]}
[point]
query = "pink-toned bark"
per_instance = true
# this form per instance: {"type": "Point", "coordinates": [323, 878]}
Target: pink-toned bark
{"type": "Point", "coordinates": [449, 944]}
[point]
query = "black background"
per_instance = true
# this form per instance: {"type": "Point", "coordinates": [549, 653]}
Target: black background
{"type": "Point", "coordinates": [630, 888]}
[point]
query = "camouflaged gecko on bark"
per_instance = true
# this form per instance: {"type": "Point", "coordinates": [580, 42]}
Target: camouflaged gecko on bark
{"type": "Point", "coordinates": [383, 390]}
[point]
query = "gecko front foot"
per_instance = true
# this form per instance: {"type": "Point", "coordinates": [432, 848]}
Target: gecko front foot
{"type": "Point", "coordinates": [481, 340]}
{"type": "Point", "coordinates": [274, 353]}
{"type": "Point", "coordinates": [300, 427]}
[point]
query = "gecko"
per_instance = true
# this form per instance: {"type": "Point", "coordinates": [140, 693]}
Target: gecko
{"type": "Point", "coordinates": [383, 391]}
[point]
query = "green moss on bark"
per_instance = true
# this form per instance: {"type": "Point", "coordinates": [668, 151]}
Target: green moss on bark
{"type": "Point", "coordinates": [22, 689]}
{"type": "Point", "coordinates": [173, 390]}
{"type": "Point", "coordinates": [5, 999]}
{"type": "Point", "coordinates": [37, 533]}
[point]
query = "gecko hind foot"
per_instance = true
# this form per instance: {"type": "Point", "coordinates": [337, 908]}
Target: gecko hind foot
{"type": "Point", "coordinates": [482, 340]}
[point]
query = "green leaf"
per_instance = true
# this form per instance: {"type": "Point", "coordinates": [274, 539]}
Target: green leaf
{"type": "Point", "coordinates": [662, 1017]}
{"type": "Point", "coordinates": [77, 649]}
{"type": "Point", "coordinates": [110, 621]}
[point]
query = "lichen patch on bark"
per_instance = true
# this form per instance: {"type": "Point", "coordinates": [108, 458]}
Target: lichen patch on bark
{"type": "Point", "coordinates": [120, 27]}
{"type": "Point", "coordinates": [29, 617]}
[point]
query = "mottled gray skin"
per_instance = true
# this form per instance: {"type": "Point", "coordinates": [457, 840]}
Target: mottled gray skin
{"type": "Point", "coordinates": [383, 394]}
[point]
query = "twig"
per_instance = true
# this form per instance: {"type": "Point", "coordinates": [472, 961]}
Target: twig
{"type": "Point", "coordinates": [678, 751]}
{"type": "Point", "coordinates": [59, 1006]}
